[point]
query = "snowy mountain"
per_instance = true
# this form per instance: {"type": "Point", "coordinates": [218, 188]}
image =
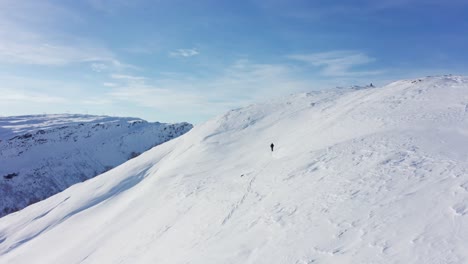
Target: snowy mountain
{"type": "Point", "coordinates": [43, 155]}
{"type": "Point", "coordinates": [376, 175]}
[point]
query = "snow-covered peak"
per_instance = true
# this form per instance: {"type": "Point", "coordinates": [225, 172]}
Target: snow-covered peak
{"type": "Point", "coordinates": [412, 103]}
{"type": "Point", "coordinates": [45, 154]}
{"type": "Point", "coordinates": [11, 126]}
{"type": "Point", "coordinates": [443, 80]}
{"type": "Point", "coordinates": [356, 176]}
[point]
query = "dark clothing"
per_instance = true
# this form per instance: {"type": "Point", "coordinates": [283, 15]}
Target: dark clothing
{"type": "Point", "coordinates": [272, 146]}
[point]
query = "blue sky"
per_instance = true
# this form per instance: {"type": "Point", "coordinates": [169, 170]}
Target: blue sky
{"type": "Point", "coordinates": [190, 60]}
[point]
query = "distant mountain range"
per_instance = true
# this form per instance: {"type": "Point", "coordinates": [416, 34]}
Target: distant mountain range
{"type": "Point", "coordinates": [44, 154]}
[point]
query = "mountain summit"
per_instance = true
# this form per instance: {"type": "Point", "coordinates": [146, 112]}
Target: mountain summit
{"type": "Point", "coordinates": [377, 175]}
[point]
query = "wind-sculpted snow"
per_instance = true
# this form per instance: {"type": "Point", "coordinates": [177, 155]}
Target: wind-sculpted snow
{"type": "Point", "coordinates": [43, 155]}
{"type": "Point", "coordinates": [376, 175]}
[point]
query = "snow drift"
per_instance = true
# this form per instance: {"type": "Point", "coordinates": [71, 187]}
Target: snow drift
{"type": "Point", "coordinates": [375, 175]}
{"type": "Point", "coordinates": [44, 154]}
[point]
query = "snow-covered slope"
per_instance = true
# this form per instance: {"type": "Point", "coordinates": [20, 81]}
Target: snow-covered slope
{"type": "Point", "coordinates": [374, 175]}
{"type": "Point", "coordinates": [43, 155]}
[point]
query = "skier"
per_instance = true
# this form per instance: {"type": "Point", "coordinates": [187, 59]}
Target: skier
{"type": "Point", "coordinates": [272, 146]}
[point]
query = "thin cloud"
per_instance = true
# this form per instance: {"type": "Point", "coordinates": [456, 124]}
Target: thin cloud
{"type": "Point", "coordinates": [337, 63]}
{"type": "Point", "coordinates": [127, 77]}
{"type": "Point", "coordinates": [255, 80]}
{"type": "Point", "coordinates": [155, 97]}
{"type": "Point", "coordinates": [99, 67]}
{"type": "Point", "coordinates": [29, 48]}
{"type": "Point", "coordinates": [27, 97]}
{"type": "Point", "coordinates": [243, 82]}
{"type": "Point", "coordinates": [110, 84]}
{"type": "Point", "coordinates": [109, 65]}
{"type": "Point", "coordinates": [26, 39]}
{"type": "Point", "coordinates": [34, 50]}
{"type": "Point", "coordinates": [97, 101]}
{"type": "Point", "coordinates": [184, 53]}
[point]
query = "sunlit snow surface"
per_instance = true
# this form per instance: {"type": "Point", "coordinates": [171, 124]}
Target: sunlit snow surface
{"type": "Point", "coordinates": [377, 175]}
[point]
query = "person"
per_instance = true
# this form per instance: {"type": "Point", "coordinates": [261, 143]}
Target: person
{"type": "Point", "coordinates": [272, 146]}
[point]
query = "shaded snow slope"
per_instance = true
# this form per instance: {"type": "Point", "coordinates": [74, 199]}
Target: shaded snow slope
{"type": "Point", "coordinates": [357, 176]}
{"type": "Point", "coordinates": [43, 155]}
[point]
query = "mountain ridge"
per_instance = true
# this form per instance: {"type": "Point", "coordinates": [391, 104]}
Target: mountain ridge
{"type": "Point", "coordinates": [41, 155]}
{"type": "Point", "coordinates": [357, 176]}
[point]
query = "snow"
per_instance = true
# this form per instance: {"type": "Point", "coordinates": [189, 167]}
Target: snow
{"type": "Point", "coordinates": [11, 126]}
{"type": "Point", "coordinates": [377, 175]}
{"type": "Point", "coordinates": [43, 155]}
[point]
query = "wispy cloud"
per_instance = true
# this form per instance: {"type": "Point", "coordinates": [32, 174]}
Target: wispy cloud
{"type": "Point", "coordinates": [184, 53]}
{"type": "Point", "coordinates": [241, 83]}
{"type": "Point", "coordinates": [127, 77]}
{"type": "Point", "coordinates": [337, 63]}
{"type": "Point", "coordinates": [109, 65]}
{"type": "Point", "coordinates": [97, 101]}
{"type": "Point", "coordinates": [30, 49]}
{"type": "Point", "coordinates": [19, 46]}
{"type": "Point", "coordinates": [36, 14]}
{"type": "Point", "coordinates": [9, 95]}
{"type": "Point", "coordinates": [253, 81]}
{"type": "Point", "coordinates": [110, 84]}
{"type": "Point", "coordinates": [99, 67]}
{"type": "Point", "coordinates": [155, 97]}
{"type": "Point", "coordinates": [26, 39]}
{"type": "Point", "coordinates": [23, 39]}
